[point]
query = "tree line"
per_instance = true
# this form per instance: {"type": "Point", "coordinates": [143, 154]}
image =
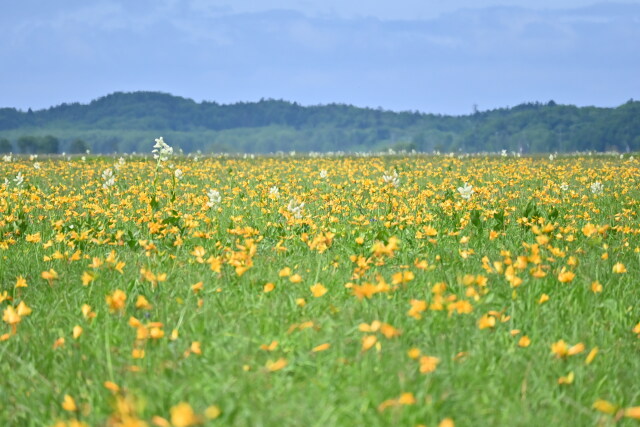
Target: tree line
{"type": "Point", "coordinates": [127, 122]}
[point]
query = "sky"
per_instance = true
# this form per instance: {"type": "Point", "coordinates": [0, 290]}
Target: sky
{"type": "Point", "coordinates": [417, 55]}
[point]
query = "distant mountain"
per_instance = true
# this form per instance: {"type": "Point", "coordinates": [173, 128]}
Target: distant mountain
{"type": "Point", "coordinates": [126, 122]}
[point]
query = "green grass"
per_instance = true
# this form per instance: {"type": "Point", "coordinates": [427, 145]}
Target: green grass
{"type": "Point", "coordinates": [484, 377]}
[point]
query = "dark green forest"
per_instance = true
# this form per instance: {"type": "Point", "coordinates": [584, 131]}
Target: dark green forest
{"type": "Point", "coordinates": [129, 122]}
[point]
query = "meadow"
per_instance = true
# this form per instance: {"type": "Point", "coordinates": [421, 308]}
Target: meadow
{"type": "Point", "coordinates": [295, 290]}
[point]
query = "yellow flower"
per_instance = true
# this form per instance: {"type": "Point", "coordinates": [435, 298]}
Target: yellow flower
{"type": "Point", "coordinates": [417, 307]}
{"type": "Point", "coordinates": [77, 331]}
{"type": "Point", "coordinates": [68, 404]}
{"type": "Point", "coordinates": [567, 379]}
{"type": "Point", "coordinates": [368, 341]}
{"type": "Point", "coordinates": [212, 412]}
{"type": "Point", "coordinates": [87, 277]}
{"type": "Point", "coordinates": [592, 355]}
{"type": "Point", "coordinates": [524, 341]}
{"type": "Point", "coordinates": [110, 385]}
{"type": "Point", "coordinates": [21, 282]}
{"type": "Point", "coordinates": [566, 276]}
{"type": "Point", "coordinates": [486, 322]}
{"type": "Point", "coordinates": [413, 353]}
{"type": "Point", "coordinates": [633, 412]}
{"type": "Point", "coordinates": [605, 406]}
{"type": "Point", "coordinates": [143, 303]}
{"type": "Point", "coordinates": [402, 277]}
{"type": "Point", "coordinates": [195, 347]}
{"type": "Point", "coordinates": [23, 310]}
{"type": "Point", "coordinates": [318, 290]}
{"type": "Point", "coordinates": [559, 348]}
{"type": "Point", "coordinates": [116, 300]}
{"type": "Point", "coordinates": [277, 365]}
{"type": "Point", "coordinates": [49, 276]}
{"type": "Point", "coordinates": [428, 364]}
{"type": "Point", "coordinates": [285, 272]}
{"type": "Point", "coordinates": [321, 347]}
{"type": "Point", "coordinates": [619, 268]}
{"type": "Point", "coordinates": [182, 415]}
{"type": "Point", "coordinates": [10, 316]}
{"type": "Point", "coordinates": [268, 287]}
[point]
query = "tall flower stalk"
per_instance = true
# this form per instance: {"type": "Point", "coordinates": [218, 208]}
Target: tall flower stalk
{"type": "Point", "coordinates": [161, 153]}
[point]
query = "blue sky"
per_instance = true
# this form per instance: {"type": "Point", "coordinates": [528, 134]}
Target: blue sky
{"type": "Point", "coordinates": [439, 57]}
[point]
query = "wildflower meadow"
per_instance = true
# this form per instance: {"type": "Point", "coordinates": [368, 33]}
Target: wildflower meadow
{"type": "Point", "coordinates": [434, 290]}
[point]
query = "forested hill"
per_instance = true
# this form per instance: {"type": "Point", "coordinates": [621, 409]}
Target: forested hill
{"type": "Point", "coordinates": [127, 122]}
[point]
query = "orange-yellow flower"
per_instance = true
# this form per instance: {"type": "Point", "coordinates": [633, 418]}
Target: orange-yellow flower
{"type": "Point", "coordinates": [268, 287]}
{"type": "Point", "coordinates": [77, 331]}
{"type": "Point", "coordinates": [417, 307]}
{"type": "Point", "coordinates": [321, 347]}
{"type": "Point", "coordinates": [23, 310]}
{"type": "Point", "coordinates": [116, 300]}
{"type": "Point", "coordinates": [605, 406]}
{"type": "Point", "coordinates": [524, 341]}
{"type": "Point", "coordinates": [486, 322]}
{"type": "Point", "coordinates": [182, 415]}
{"type": "Point", "coordinates": [559, 348]}
{"type": "Point", "coordinates": [592, 355]}
{"type": "Point", "coordinates": [277, 365]}
{"type": "Point", "coordinates": [21, 282]}
{"type": "Point", "coordinates": [49, 276]}
{"type": "Point", "coordinates": [10, 316]}
{"type": "Point", "coordinates": [619, 268]}
{"type": "Point", "coordinates": [566, 276]}
{"type": "Point", "coordinates": [68, 404]}
{"type": "Point", "coordinates": [402, 277]}
{"type": "Point", "coordinates": [428, 364]}
{"type": "Point", "coordinates": [318, 290]}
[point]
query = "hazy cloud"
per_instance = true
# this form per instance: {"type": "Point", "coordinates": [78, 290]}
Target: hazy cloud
{"type": "Point", "coordinates": [493, 56]}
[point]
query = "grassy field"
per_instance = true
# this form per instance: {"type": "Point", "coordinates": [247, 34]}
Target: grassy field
{"type": "Point", "coordinates": [320, 291]}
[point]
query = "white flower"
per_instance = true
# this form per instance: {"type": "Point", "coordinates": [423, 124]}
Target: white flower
{"type": "Point", "coordinates": [273, 191]}
{"type": "Point", "coordinates": [323, 174]}
{"type": "Point", "coordinates": [119, 163]}
{"type": "Point", "coordinates": [551, 157]}
{"type": "Point", "coordinates": [6, 182]}
{"type": "Point", "coordinates": [564, 186]}
{"type": "Point", "coordinates": [503, 153]}
{"type": "Point", "coordinates": [214, 198]}
{"type": "Point", "coordinates": [108, 178]}
{"type": "Point", "coordinates": [466, 191]}
{"type": "Point", "coordinates": [178, 174]}
{"type": "Point", "coordinates": [295, 207]}
{"type": "Point", "coordinates": [33, 157]}
{"type": "Point", "coordinates": [83, 158]}
{"type": "Point", "coordinates": [391, 178]}
{"type": "Point", "coordinates": [7, 158]}
{"type": "Point", "coordinates": [19, 179]}
{"type": "Point", "coordinates": [36, 165]}
{"type": "Point", "coordinates": [162, 150]}
{"type": "Point", "coordinates": [597, 187]}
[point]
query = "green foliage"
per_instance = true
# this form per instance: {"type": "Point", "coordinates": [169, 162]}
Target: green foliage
{"type": "Point", "coordinates": [124, 121]}
{"type": "Point", "coordinates": [38, 144]}
{"type": "Point", "coordinates": [5, 145]}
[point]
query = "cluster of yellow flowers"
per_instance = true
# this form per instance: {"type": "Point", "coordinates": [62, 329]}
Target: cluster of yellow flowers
{"type": "Point", "coordinates": [455, 239]}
